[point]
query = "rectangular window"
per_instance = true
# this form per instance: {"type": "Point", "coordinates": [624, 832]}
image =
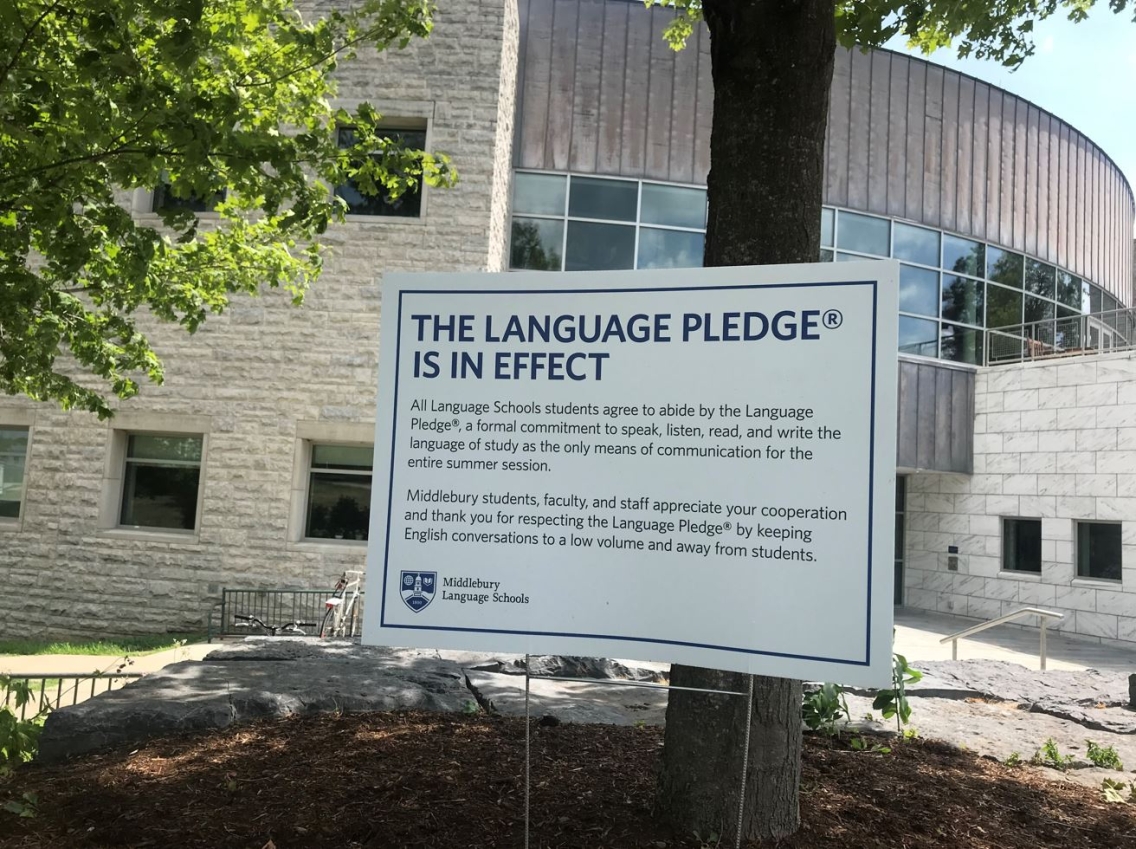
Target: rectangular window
{"type": "Point", "coordinates": [1099, 550]}
{"type": "Point", "coordinates": [539, 194]}
{"type": "Point", "coordinates": [963, 256]}
{"type": "Point", "coordinates": [919, 291]}
{"type": "Point", "coordinates": [161, 481]}
{"type": "Point", "coordinates": [406, 205]}
{"type": "Point", "coordinates": [339, 492]}
{"type": "Point", "coordinates": [918, 336]}
{"type": "Point", "coordinates": [595, 247]}
{"type": "Point", "coordinates": [1021, 545]}
{"type": "Point", "coordinates": [165, 199]}
{"type": "Point", "coordinates": [1004, 267]}
{"type": "Point", "coordinates": [963, 300]}
{"type": "Point", "coordinates": [827, 226]}
{"type": "Point", "coordinates": [863, 233]}
{"type": "Point", "coordinates": [916, 244]}
{"type": "Point", "coordinates": [673, 206]}
{"type": "Point", "coordinates": [669, 248]}
{"type": "Point", "coordinates": [13, 459]}
{"type": "Point", "coordinates": [1003, 307]}
{"type": "Point", "coordinates": [611, 200]}
{"type": "Point", "coordinates": [536, 244]}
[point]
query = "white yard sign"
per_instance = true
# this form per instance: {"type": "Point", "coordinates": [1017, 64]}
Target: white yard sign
{"type": "Point", "coordinates": [693, 466]}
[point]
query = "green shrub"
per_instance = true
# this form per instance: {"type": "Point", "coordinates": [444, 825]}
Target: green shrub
{"type": "Point", "coordinates": [1103, 756]}
{"type": "Point", "coordinates": [824, 709]}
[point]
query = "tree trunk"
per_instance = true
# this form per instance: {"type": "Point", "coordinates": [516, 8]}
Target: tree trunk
{"type": "Point", "coordinates": [772, 67]}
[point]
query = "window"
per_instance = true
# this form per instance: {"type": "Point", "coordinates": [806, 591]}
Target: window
{"type": "Point", "coordinates": [1040, 279]}
{"type": "Point", "coordinates": [593, 246]}
{"type": "Point", "coordinates": [963, 300]}
{"type": "Point", "coordinates": [962, 255]}
{"type": "Point", "coordinates": [406, 205]}
{"type": "Point", "coordinates": [961, 344]}
{"type": "Point", "coordinates": [339, 492]}
{"type": "Point", "coordinates": [1099, 550]}
{"type": "Point", "coordinates": [917, 244]}
{"type": "Point", "coordinates": [918, 336]}
{"type": "Point", "coordinates": [918, 291]}
{"type": "Point", "coordinates": [161, 481]}
{"type": "Point", "coordinates": [1003, 267]}
{"type": "Point", "coordinates": [614, 200]}
{"type": "Point", "coordinates": [536, 244]}
{"type": "Point", "coordinates": [1003, 306]}
{"type": "Point", "coordinates": [13, 458]}
{"type": "Point", "coordinates": [539, 194]}
{"type": "Point", "coordinates": [669, 248]}
{"type": "Point", "coordinates": [827, 226]}
{"type": "Point", "coordinates": [673, 206]}
{"type": "Point", "coordinates": [165, 199]}
{"type": "Point", "coordinates": [1021, 545]}
{"type": "Point", "coordinates": [863, 233]}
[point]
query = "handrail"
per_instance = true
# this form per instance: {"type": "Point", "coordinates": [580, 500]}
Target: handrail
{"type": "Point", "coordinates": [1043, 620]}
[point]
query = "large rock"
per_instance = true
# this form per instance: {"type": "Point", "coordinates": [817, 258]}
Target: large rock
{"type": "Point", "coordinates": [257, 678]}
{"type": "Point", "coordinates": [251, 681]}
{"type": "Point", "coordinates": [569, 701]}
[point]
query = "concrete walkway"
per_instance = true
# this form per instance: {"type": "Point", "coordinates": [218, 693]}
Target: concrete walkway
{"type": "Point", "coordinates": [58, 664]}
{"type": "Point", "coordinates": [917, 636]}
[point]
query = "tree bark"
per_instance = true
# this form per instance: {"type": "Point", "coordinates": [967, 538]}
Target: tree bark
{"type": "Point", "coordinates": [772, 66]}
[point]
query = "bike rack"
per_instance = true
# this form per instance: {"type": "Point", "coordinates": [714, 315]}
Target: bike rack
{"type": "Point", "coordinates": [287, 605]}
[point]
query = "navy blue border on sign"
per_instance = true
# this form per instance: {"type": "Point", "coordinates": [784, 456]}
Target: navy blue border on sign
{"type": "Point", "coordinates": [653, 640]}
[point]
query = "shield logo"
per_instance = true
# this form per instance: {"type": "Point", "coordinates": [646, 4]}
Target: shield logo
{"type": "Point", "coordinates": [418, 589]}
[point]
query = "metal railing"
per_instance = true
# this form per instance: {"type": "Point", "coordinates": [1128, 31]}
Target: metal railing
{"type": "Point", "coordinates": [53, 690]}
{"type": "Point", "coordinates": [1070, 336]}
{"type": "Point", "coordinates": [274, 607]}
{"type": "Point", "coordinates": [1043, 617]}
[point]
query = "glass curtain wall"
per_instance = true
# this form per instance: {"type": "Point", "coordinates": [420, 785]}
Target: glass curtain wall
{"type": "Point", "coordinates": [951, 288]}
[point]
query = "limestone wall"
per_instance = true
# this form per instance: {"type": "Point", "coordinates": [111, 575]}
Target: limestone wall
{"type": "Point", "coordinates": [1053, 440]}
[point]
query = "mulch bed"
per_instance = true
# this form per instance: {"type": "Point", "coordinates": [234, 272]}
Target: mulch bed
{"type": "Point", "coordinates": [430, 780]}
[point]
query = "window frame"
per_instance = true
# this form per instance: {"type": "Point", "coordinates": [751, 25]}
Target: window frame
{"type": "Point", "coordinates": [405, 124]}
{"type": "Point", "coordinates": [14, 522]}
{"type": "Point", "coordinates": [1080, 525]}
{"type": "Point", "coordinates": [1004, 566]}
{"type": "Point", "coordinates": [305, 515]}
{"type": "Point", "coordinates": [123, 438]}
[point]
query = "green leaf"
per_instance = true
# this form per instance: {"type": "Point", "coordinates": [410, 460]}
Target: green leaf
{"type": "Point", "coordinates": [227, 98]}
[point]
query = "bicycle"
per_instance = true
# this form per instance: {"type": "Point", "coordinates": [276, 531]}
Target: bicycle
{"type": "Point", "coordinates": [240, 620]}
{"type": "Point", "coordinates": [342, 611]}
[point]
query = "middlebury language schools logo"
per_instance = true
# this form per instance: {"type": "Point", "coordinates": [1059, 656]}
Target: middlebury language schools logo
{"type": "Point", "coordinates": [418, 589]}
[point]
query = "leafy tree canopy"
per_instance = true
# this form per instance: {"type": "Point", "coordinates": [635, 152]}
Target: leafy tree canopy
{"type": "Point", "coordinates": [220, 99]}
{"type": "Point", "coordinates": [1000, 30]}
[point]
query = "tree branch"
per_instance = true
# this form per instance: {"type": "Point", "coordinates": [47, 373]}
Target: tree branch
{"type": "Point", "coordinates": [314, 63]}
{"type": "Point", "coordinates": [24, 41]}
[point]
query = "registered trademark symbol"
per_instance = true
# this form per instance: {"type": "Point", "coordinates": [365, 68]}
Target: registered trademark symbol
{"type": "Point", "coordinates": [833, 319]}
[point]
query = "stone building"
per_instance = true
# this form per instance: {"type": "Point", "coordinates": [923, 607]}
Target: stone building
{"type": "Point", "coordinates": [583, 143]}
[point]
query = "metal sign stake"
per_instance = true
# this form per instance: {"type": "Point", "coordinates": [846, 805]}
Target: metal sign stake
{"type": "Point", "coordinates": [745, 764]}
{"type": "Point", "coordinates": [528, 761]}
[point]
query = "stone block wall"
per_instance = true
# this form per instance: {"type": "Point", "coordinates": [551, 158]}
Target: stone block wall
{"type": "Point", "coordinates": [1053, 440]}
{"type": "Point", "coordinates": [265, 377]}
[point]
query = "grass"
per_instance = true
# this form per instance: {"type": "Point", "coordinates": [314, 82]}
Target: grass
{"type": "Point", "coordinates": [113, 646]}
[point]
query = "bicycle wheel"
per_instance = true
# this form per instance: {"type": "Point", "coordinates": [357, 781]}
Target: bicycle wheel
{"type": "Point", "coordinates": [327, 627]}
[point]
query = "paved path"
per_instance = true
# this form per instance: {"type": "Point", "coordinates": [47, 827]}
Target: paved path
{"type": "Point", "coordinates": [55, 664]}
{"type": "Point", "coordinates": [917, 636]}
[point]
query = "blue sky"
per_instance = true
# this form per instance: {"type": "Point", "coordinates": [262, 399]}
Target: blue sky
{"type": "Point", "coordinates": [1083, 73]}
